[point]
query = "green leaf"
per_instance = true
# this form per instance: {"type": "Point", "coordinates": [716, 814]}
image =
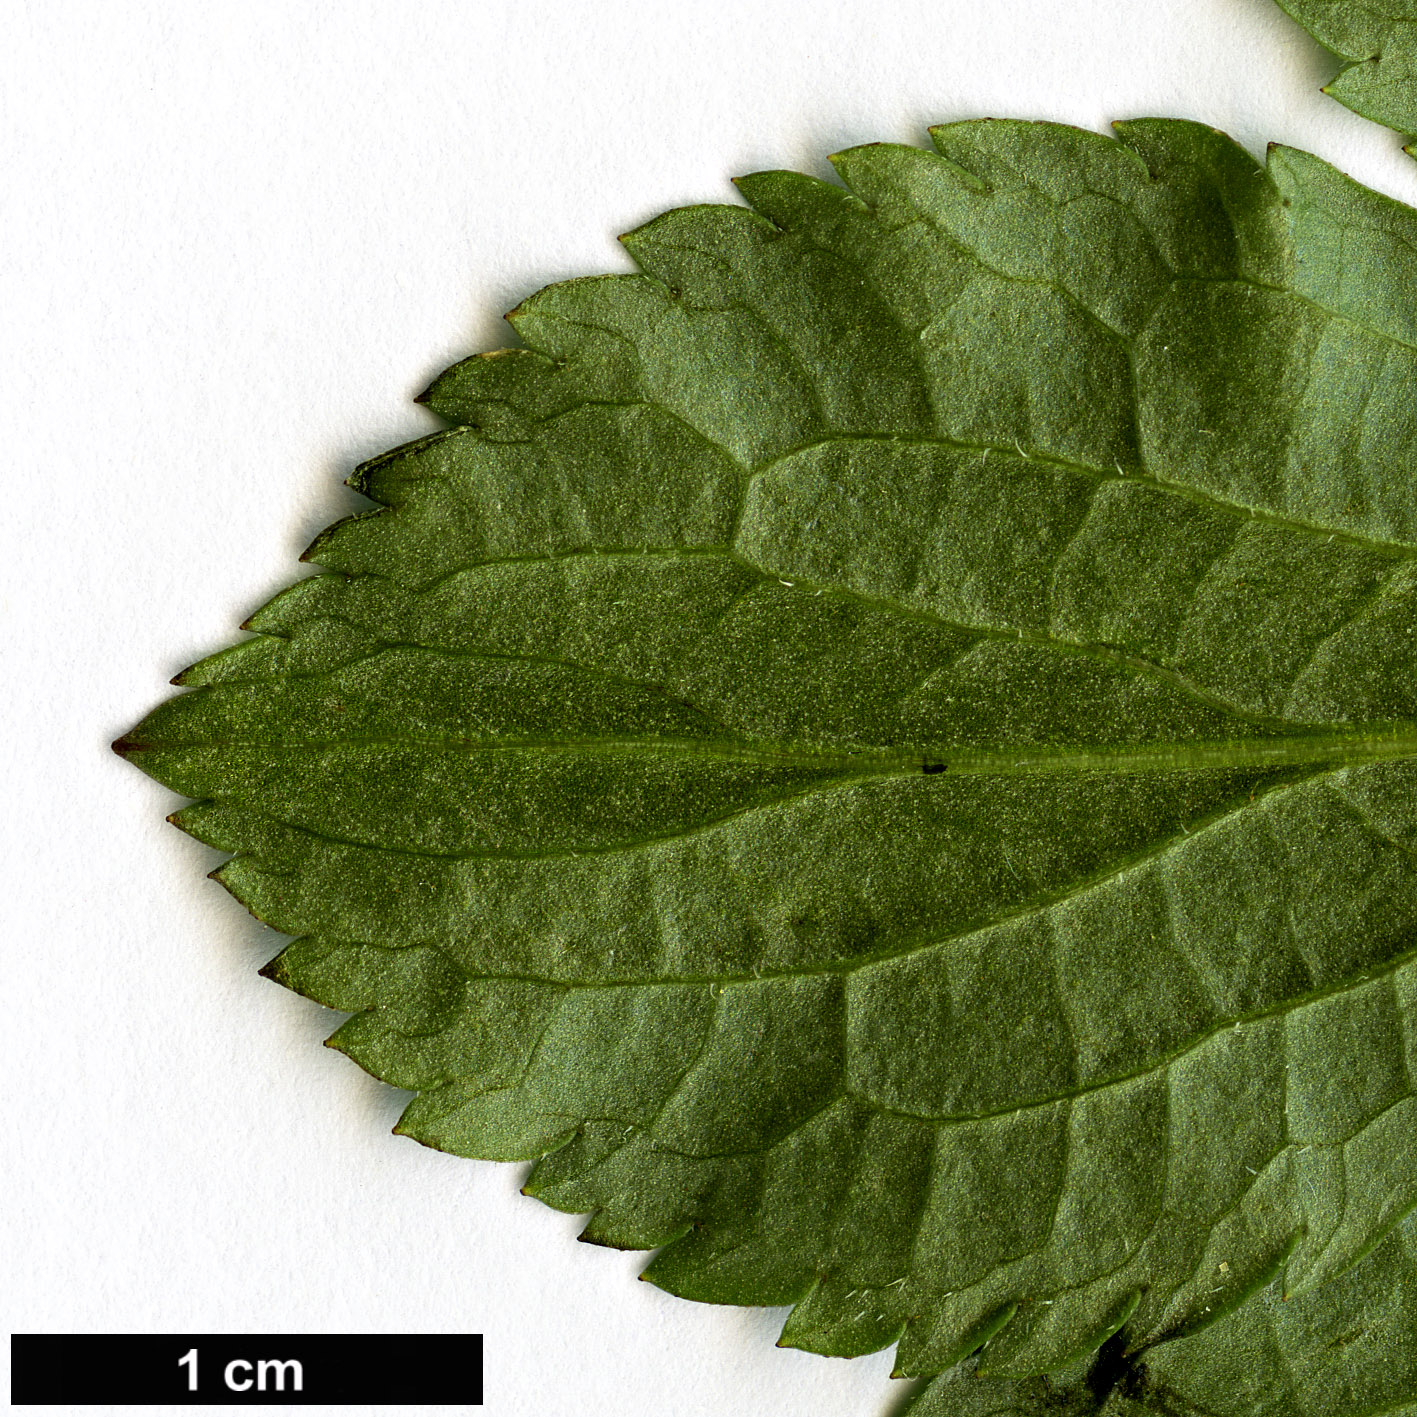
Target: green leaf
{"type": "Point", "coordinates": [880, 750]}
{"type": "Point", "coordinates": [1343, 1351]}
{"type": "Point", "coordinates": [1378, 46]}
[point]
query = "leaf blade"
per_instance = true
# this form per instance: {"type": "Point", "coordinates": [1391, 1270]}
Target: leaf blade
{"type": "Point", "coordinates": [698, 763]}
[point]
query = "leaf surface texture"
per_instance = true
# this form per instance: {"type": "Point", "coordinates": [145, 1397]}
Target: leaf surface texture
{"type": "Point", "coordinates": [1377, 44]}
{"type": "Point", "coordinates": [879, 750]}
{"type": "Point", "coordinates": [1343, 1351]}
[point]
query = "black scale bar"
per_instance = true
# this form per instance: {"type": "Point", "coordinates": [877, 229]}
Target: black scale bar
{"type": "Point", "coordinates": [76, 1370]}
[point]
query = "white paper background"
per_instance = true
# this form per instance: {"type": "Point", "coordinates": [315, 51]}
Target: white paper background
{"type": "Point", "coordinates": [236, 240]}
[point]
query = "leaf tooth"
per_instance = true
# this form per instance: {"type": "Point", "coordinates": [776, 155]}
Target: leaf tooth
{"type": "Point", "coordinates": [333, 533]}
{"type": "Point", "coordinates": [965, 1341]}
{"type": "Point", "coordinates": [1081, 1350]}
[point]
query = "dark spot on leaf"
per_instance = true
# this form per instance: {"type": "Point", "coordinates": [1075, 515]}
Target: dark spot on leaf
{"type": "Point", "coordinates": [1111, 1369]}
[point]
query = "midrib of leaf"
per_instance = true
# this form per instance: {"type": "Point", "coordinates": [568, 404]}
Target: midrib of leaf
{"type": "Point", "coordinates": [1341, 748]}
{"type": "Point", "coordinates": [1325, 747]}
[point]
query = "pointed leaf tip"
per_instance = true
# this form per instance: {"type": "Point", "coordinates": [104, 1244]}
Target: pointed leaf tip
{"type": "Point", "coordinates": [609, 819]}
